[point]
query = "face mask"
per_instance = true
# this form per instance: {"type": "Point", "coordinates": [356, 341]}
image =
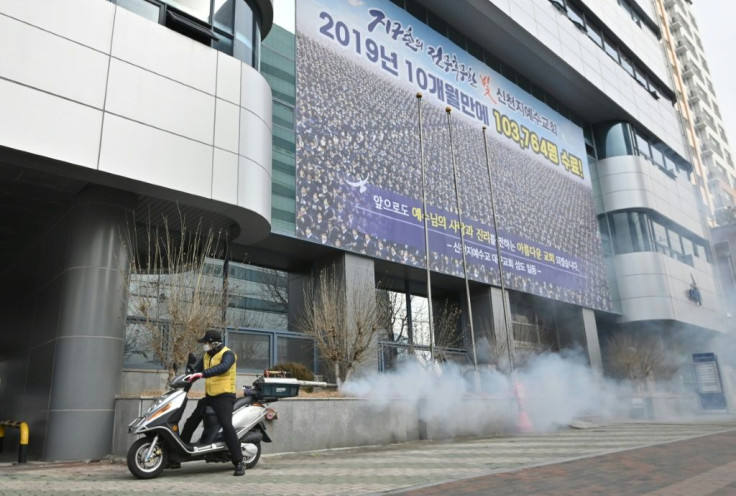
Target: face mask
{"type": "Point", "coordinates": [206, 347]}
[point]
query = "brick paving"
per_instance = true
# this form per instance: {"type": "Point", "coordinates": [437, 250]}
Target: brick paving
{"type": "Point", "coordinates": [614, 459]}
{"type": "Point", "coordinates": [694, 467]}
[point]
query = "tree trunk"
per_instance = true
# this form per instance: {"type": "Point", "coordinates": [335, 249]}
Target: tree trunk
{"type": "Point", "coordinates": [338, 379]}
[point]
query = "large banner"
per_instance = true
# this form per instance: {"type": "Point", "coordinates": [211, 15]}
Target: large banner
{"type": "Point", "coordinates": [360, 64]}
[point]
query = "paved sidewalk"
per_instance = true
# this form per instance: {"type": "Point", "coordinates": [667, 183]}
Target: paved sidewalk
{"type": "Point", "coordinates": [572, 461]}
{"type": "Point", "coordinates": [695, 467]}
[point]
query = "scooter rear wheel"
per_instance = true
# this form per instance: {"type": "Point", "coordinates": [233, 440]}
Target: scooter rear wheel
{"type": "Point", "coordinates": [137, 463]}
{"type": "Point", "coordinates": [251, 460]}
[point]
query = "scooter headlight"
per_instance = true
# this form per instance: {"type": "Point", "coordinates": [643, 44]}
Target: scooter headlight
{"type": "Point", "coordinates": [160, 411]}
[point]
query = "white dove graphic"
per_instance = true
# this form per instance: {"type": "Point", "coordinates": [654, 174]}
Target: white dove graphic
{"type": "Point", "coordinates": [360, 184]}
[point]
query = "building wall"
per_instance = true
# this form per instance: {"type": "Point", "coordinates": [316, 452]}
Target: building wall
{"type": "Point", "coordinates": [576, 50]}
{"type": "Point", "coordinates": [93, 94]}
{"type": "Point", "coordinates": [98, 87]}
{"type": "Point", "coordinates": [69, 321]}
{"type": "Point", "coordinates": [700, 106]}
{"type": "Point", "coordinates": [651, 285]}
{"type": "Point", "coordinates": [632, 182]}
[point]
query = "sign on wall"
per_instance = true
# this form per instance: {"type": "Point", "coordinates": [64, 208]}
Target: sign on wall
{"type": "Point", "coordinates": [360, 64]}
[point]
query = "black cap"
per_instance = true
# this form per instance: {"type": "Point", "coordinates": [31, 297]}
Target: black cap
{"type": "Point", "coordinates": [211, 337]}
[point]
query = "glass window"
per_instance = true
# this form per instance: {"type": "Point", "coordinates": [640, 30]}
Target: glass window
{"type": "Point", "coordinates": [196, 8]}
{"type": "Point", "coordinates": [575, 16]}
{"type": "Point", "coordinates": [605, 236]}
{"type": "Point", "coordinates": [420, 320]}
{"type": "Point", "coordinates": [284, 139]}
{"type": "Point", "coordinates": [559, 4]}
{"type": "Point", "coordinates": [687, 246]}
{"type": "Point", "coordinates": [668, 163]}
{"type": "Point", "coordinates": [675, 241]}
{"type": "Point", "coordinates": [224, 11]}
{"type": "Point", "coordinates": [280, 41]}
{"type": "Point", "coordinates": [660, 237]}
{"type": "Point", "coordinates": [142, 8]}
{"type": "Point", "coordinates": [623, 242]}
{"type": "Point", "coordinates": [253, 350]}
{"type": "Point", "coordinates": [475, 50]}
{"type": "Point", "coordinates": [524, 83]}
{"type": "Point", "coordinates": [456, 36]}
{"type": "Point", "coordinates": [492, 61]}
{"type": "Point", "coordinates": [244, 33]}
{"type": "Point", "coordinates": [639, 231]}
{"type": "Point", "coordinates": [641, 78]}
{"type": "Point", "coordinates": [610, 48]}
{"type": "Point", "coordinates": [595, 34]}
{"type": "Point", "coordinates": [283, 115]}
{"type": "Point", "coordinates": [626, 64]}
{"type": "Point", "coordinates": [223, 43]}
{"type": "Point", "coordinates": [299, 350]}
{"type": "Point", "coordinates": [642, 146]}
{"type": "Point", "coordinates": [139, 346]}
{"type": "Point", "coordinates": [416, 10]}
{"type": "Point", "coordinates": [658, 157]}
{"type": "Point", "coordinates": [279, 72]}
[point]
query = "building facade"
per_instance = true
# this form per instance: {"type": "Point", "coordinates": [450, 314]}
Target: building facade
{"type": "Point", "coordinates": [540, 192]}
{"type": "Point", "coordinates": [698, 106]}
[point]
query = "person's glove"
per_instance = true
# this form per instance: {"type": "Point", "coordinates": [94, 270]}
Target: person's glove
{"type": "Point", "coordinates": [194, 377]}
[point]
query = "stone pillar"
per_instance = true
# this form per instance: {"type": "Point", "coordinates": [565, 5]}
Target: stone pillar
{"type": "Point", "coordinates": [576, 329]}
{"type": "Point", "coordinates": [489, 324]}
{"type": "Point", "coordinates": [591, 337]}
{"type": "Point", "coordinates": [88, 352]}
{"type": "Point", "coordinates": [357, 274]}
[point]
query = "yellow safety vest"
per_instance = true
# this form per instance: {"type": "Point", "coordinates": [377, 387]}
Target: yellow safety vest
{"type": "Point", "coordinates": [223, 383]}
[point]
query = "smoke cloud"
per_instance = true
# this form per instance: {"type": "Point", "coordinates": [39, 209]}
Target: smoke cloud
{"type": "Point", "coordinates": [552, 391]}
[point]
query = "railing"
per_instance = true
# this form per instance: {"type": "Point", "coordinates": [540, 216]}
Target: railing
{"type": "Point", "coordinates": [391, 354]}
{"type": "Point", "coordinates": [23, 446]}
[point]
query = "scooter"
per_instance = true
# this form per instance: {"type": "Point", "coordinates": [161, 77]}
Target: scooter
{"type": "Point", "coordinates": [161, 446]}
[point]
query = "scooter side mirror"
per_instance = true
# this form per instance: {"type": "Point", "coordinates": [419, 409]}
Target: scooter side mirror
{"type": "Point", "coordinates": [191, 361]}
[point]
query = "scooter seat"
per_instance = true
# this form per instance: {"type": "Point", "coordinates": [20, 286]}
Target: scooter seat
{"type": "Point", "coordinates": [244, 401]}
{"type": "Point", "coordinates": [239, 403]}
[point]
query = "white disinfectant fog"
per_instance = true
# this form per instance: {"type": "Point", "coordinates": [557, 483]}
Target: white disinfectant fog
{"type": "Point", "coordinates": [551, 391]}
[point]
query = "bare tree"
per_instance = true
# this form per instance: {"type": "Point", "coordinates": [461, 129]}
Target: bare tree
{"type": "Point", "coordinates": [344, 323]}
{"type": "Point", "coordinates": [393, 314]}
{"type": "Point", "coordinates": [494, 350]}
{"type": "Point", "coordinates": [172, 286]}
{"type": "Point", "coordinates": [275, 289]}
{"type": "Point", "coordinates": [447, 333]}
{"type": "Point", "coordinates": [637, 357]}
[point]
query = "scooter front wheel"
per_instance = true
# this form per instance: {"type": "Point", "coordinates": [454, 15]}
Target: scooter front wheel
{"type": "Point", "coordinates": [140, 464]}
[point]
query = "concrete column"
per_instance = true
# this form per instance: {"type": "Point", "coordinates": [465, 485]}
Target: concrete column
{"type": "Point", "coordinates": [502, 327]}
{"type": "Point", "coordinates": [576, 329]}
{"type": "Point", "coordinates": [591, 338]}
{"type": "Point", "coordinates": [483, 325]}
{"type": "Point", "coordinates": [490, 325]}
{"type": "Point", "coordinates": [88, 352]}
{"type": "Point", "coordinates": [357, 274]}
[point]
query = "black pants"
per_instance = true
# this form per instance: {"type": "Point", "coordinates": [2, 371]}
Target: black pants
{"type": "Point", "coordinates": [222, 404]}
